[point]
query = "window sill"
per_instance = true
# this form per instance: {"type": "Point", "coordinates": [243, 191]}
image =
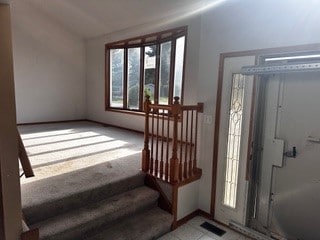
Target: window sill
{"type": "Point", "coordinates": [117, 110]}
{"type": "Point", "coordinates": [136, 113]}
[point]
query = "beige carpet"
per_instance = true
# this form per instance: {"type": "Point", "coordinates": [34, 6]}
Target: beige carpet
{"type": "Point", "coordinates": [56, 149]}
{"type": "Point", "coordinates": [88, 184]}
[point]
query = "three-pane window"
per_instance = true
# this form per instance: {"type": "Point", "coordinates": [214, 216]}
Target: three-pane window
{"type": "Point", "coordinates": [149, 65]}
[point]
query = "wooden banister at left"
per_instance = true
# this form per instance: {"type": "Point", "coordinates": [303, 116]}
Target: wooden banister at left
{"type": "Point", "coordinates": [24, 159]}
{"type": "Point", "coordinates": [29, 234]}
{"type": "Point", "coordinates": [32, 234]}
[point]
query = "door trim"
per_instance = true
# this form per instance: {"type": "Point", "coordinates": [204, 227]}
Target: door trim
{"type": "Point", "coordinates": [257, 53]}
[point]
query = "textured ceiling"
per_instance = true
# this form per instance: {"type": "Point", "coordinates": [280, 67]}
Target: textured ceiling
{"type": "Point", "coordinates": [91, 18]}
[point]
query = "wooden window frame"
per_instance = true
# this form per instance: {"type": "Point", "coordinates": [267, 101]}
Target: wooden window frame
{"type": "Point", "coordinates": [142, 42]}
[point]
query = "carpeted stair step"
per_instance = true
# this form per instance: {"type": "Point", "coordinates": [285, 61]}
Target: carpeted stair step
{"type": "Point", "coordinates": [147, 225]}
{"type": "Point", "coordinates": [92, 218]}
{"type": "Point", "coordinates": [53, 196]}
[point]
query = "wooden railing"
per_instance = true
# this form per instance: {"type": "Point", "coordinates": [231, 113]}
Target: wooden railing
{"type": "Point", "coordinates": [24, 159]}
{"type": "Point", "coordinates": [27, 233]}
{"type": "Point", "coordinates": [170, 141]}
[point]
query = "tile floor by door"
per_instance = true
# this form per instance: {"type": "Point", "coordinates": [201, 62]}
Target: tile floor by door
{"type": "Point", "coordinates": [193, 231]}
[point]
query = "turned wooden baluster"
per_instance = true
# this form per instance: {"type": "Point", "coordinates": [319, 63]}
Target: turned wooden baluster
{"type": "Point", "coordinates": [167, 149]}
{"type": "Point", "coordinates": [191, 145]}
{"type": "Point", "coordinates": [181, 146]}
{"type": "Point", "coordinates": [199, 110]}
{"type": "Point", "coordinates": [162, 145]}
{"type": "Point", "coordinates": [185, 165]}
{"type": "Point", "coordinates": [146, 150]}
{"type": "Point", "coordinates": [174, 161]}
{"type": "Point", "coordinates": [156, 161]}
{"type": "Point", "coordinates": [194, 169]}
{"type": "Point", "coordinates": [152, 142]}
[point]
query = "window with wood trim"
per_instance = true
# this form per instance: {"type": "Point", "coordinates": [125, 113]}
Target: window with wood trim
{"type": "Point", "coordinates": [152, 64]}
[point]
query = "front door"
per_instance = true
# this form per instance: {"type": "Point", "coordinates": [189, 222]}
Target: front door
{"type": "Point", "coordinates": [289, 180]}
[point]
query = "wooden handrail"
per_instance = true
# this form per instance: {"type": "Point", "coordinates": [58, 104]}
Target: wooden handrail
{"type": "Point", "coordinates": [198, 107]}
{"type": "Point", "coordinates": [160, 107]}
{"type": "Point", "coordinates": [170, 141]}
{"type": "Point", "coordinates": [24, 159]}
{"type": "Point", "coordinates": [27, 233]}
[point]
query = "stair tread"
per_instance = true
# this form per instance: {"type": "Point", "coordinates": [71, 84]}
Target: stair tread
{"type": "Point", "coordinates": [49, 197]}
{"type": "Point", "coordinates": [71, 183]}
{"type": "Point", "coordinates": [147, 225]}
{"type": "Point", "coordinates": [88, 218]}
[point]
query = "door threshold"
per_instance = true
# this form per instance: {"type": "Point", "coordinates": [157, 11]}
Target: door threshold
{"type": "Point", "coordinates": [248, 231]}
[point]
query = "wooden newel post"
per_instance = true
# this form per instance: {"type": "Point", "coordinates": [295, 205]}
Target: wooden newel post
{"type": "Point", "coordinates": [146, 150]}
{"type": "Point", "coordinates": [174, 162]}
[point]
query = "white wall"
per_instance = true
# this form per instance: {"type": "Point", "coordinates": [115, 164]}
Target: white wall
{"type": "Point", "coordinates": [96, 71]}
{"type": "Point", "coordinates": [232, 26]}
{"type": "Point", "coordinates": [50, 62]}
{"type": "Point", "coordinates": [188, 195]}
{"type": "Point", "coordinates": [245, 25]}
{"type": "Point", "coordinates": [49, 67]}
{"type": "Point", "coordinates": [187, 199]}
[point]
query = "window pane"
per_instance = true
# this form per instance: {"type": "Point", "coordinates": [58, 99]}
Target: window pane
{"type": "Point", "coordinates": [178, 71]}
{"type": "Point", "coordinates": [116, 77]}
{"type": "Point", "coordinates": [234, 141]}
{"type": "Point", "coordinates": [133, 77]}
{"type": "Point", "coordinates": [165, 56]}
{"type": "Point", "coordinates": [150, 70]}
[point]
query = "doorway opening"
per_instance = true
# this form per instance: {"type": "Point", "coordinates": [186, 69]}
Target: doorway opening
{"type": "Point", "coordinates": [267, 142]}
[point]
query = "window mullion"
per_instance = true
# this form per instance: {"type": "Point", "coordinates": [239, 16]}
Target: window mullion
{"type": "Point", "coordinates": [108, 78]}
{"type": "Point", "coordinates": [125, 79]}
{"type": "Point", "coordinates": [157, 72]}
{"type": "Point", "coordinates": [141, 89]}
{"type": "Point", "coordinates": [172, 68]}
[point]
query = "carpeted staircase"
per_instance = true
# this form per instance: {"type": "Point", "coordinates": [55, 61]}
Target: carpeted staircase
{"type": "Point", "coordinates": [95, 204]}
